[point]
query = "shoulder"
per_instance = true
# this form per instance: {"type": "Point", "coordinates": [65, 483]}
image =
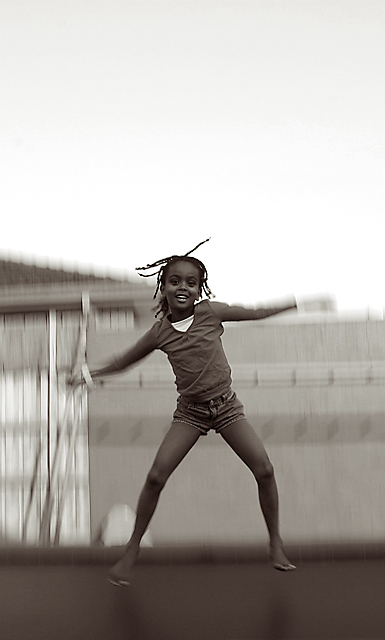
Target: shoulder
{"type": "Point", "coordinates": [150, 337]}
{"type": "Point", "coordinates": [161, 333]}
{"type": "Point", "coordinates": [208, 307]}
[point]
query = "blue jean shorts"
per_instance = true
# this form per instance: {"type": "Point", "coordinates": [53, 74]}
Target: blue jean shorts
{"type": "Point", "coordinates": [214, 414]}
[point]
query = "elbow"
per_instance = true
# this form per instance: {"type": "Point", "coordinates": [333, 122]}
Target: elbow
{"type": "Point", "coordinates": [118, 365]}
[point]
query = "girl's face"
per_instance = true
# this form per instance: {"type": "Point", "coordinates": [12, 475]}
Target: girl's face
{"type": "Point", "coordinates": [182, 289]}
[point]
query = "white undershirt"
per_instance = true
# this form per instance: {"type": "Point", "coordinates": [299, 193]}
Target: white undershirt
{"type": "Point", "coordinates": [183, 325]}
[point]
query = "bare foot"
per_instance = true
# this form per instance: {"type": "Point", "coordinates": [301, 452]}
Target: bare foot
{"type": "Point", "coordinates": [278, 557]}
{"type": "Point", "coordinates": [121, 573]}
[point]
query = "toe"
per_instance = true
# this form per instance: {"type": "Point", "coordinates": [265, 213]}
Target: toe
{"type": "Point", "coordinates": [284, 567]}
{"type": "Point", "coordinates": [118, 583]}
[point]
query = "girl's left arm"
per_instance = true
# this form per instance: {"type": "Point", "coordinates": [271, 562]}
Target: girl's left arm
{"type": "Point", "coordinates": [236, 312]}
{"type": "Point", "coordinates": [321, 302]}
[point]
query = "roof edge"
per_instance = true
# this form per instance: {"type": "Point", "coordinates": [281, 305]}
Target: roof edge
{"type": "Point", "coordinates": [26, 299]}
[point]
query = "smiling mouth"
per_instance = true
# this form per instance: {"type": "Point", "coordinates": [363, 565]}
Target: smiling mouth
{"type": "Point", "coordinates": [181, 298]}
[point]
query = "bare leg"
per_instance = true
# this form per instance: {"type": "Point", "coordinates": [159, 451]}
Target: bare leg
{"type": "Point", "coordinates": [247, 445]}
{"type": "Point", "coordinates": [177, 443]}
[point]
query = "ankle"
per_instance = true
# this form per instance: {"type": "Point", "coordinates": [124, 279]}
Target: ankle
{"type": "Point", "coordinates": [132, 547]}
{"type": "Point", "coordinates": [276, 542]}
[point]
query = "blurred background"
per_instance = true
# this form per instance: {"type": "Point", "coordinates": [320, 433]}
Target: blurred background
{"type": "Point", "coordinates": [312, 386]}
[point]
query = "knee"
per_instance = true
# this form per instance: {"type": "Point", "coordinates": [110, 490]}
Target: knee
{"type": "Point", "coordinates": [156, 480]}
{"type": "Point", "coordinates": [264, 472]}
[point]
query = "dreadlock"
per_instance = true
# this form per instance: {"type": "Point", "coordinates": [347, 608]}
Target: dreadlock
{"type": "Point", "coordinates": [164, 264]}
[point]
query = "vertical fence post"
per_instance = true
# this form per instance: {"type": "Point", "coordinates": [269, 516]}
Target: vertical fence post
{"type": "Point", "coordinates": [81, 358]}
{"type": "Point", "coordinates": [45, 531]}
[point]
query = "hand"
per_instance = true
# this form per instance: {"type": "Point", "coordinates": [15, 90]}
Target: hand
{"type": "Point", "coordinates": [82, 377]}
{"type": "Point", "coordinates": [318, 302]}
{"type": "Point", "coordinates": [75, 380]}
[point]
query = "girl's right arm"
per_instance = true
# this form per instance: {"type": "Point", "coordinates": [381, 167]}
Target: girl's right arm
{"type": "Point", "coordinates": [140, 350]}
{"type": "Point", "coordinates": [137, 352]}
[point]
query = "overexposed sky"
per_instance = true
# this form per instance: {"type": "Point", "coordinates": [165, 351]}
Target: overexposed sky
{"type": "Point", "coordinates": [132, 130]}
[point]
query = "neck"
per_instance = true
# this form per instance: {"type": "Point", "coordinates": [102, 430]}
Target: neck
{"type": "Point", "coordinates": [177, 315]}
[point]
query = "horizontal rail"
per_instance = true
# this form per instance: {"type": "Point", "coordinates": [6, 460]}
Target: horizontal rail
{"type": "Point", "coordinates": [291, 374]}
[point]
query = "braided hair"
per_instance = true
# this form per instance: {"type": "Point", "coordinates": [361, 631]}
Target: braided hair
{"type": "Point", "coordinates": [164, 264]}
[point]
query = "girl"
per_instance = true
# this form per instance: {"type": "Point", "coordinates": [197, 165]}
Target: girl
{"type": "Point", "coordinates": [189, 332]}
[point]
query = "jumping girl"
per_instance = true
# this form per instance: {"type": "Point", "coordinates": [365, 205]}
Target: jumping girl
{"type": "Point", "coordinates": [189, 332]}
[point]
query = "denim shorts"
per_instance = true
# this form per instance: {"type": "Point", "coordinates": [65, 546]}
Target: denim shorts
{"type": "Point", "coordinates": [213, 414]}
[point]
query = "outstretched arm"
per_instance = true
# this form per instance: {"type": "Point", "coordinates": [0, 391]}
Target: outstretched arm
{"type": "Point", "coordinates": [230, 313]}
{"type": "Point", "coordinates": [236, 313]}
{"type": "Point", "coordinates": [137, 352]}
{"type": "Point", "coordinates": [130, 357]}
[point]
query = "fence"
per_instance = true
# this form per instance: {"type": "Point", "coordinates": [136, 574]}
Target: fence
{"type": "Point", "coordinates": [44, 464]}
